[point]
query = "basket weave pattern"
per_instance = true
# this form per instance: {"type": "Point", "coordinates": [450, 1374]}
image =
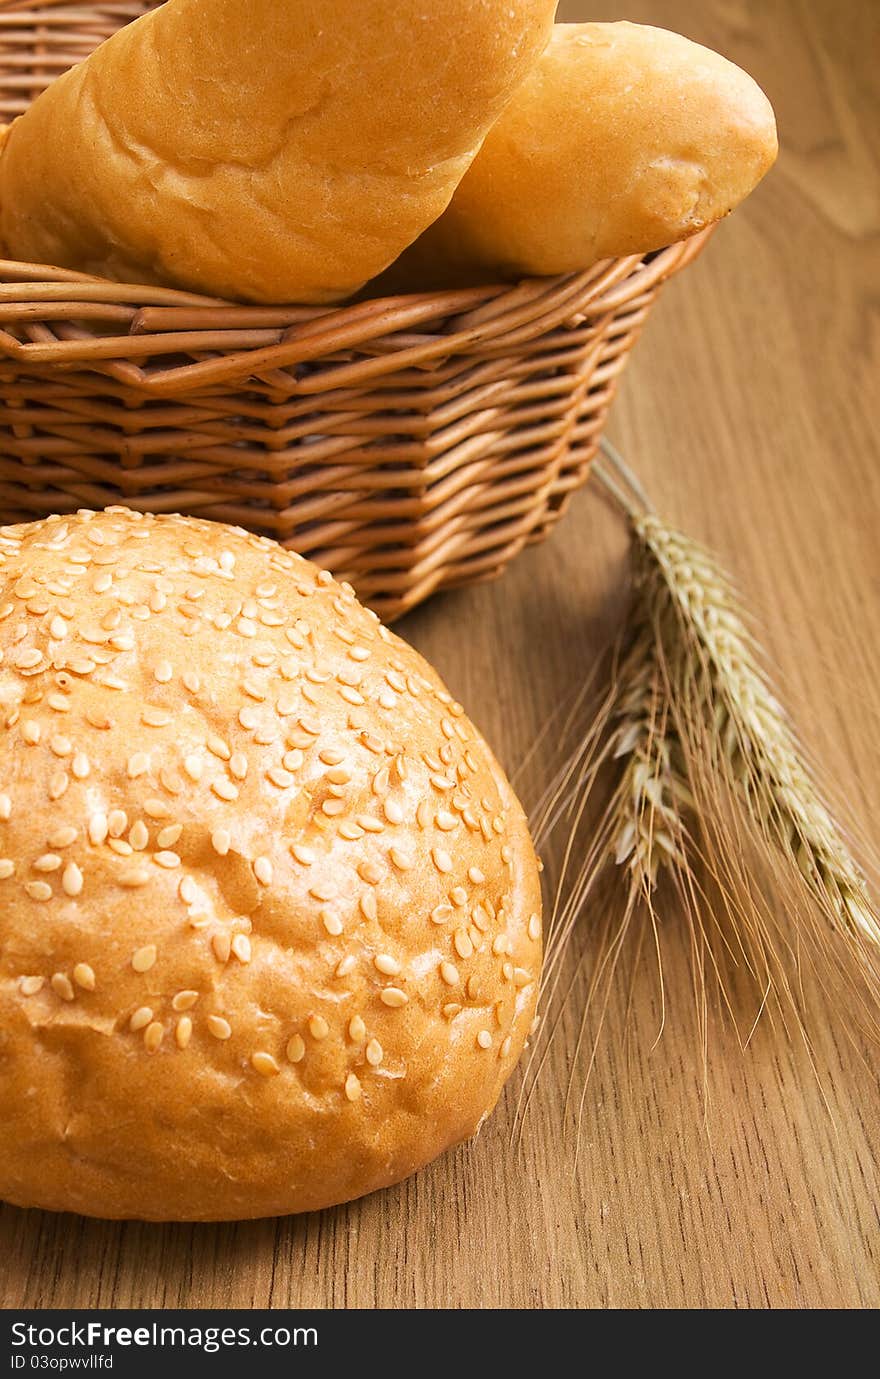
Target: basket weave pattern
{"type": "Point", "coordinates": [406, 443]}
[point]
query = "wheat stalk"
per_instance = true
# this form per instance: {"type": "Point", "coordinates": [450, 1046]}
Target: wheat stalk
{"type": "Point", "coordinates": [713, 789]}
{"type": "Point", "coordinates": [712, 658]}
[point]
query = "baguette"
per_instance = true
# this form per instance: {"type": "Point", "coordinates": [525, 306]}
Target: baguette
{"type": "Point", "coordinates": [623, 139]}
{"type": "Point", "coordinates": [268, 151]}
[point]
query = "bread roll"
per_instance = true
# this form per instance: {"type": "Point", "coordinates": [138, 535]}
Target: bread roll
{"type": "Point", "coordinates": [269, 909]}
{"type": "Point", "coordinates": [264, 151]}
{"type": "Point", "coordinates": [622, 139]}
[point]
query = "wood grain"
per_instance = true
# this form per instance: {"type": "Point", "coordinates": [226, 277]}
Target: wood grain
{"type": "Point", "coordinates": [751, 411]}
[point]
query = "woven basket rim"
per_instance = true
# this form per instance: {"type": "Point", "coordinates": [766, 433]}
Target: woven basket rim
{"type": "Point", "coordinates": [112, 326]}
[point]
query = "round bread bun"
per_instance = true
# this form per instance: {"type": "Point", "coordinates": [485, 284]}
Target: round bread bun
{"type": "Point", "coordinates": [269, 910]}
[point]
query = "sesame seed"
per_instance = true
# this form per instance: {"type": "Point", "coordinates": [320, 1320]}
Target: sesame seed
{"type": "Point", "coordinates": [29, 986]}
{"type": "Point", "coordinates": [155, 718]}
{"type": "Point", "coordinates": [374, 1053]}
{"type": "Point", "coordinates": [221, 943]}
{"type": "Point", "coordinates": [318, 1027]}
{"type": "Point", "coordinates": [62, 986]}
{"type": "Point", "coordinates": [183, 1031]}
{"type": "Point", "coordinates": [463, 945]}
{"type": "Point", "coordinates": [167, 837]}
{"type": "Point", "coordinates": [80, 766]}
{"type": "Point", "coordinates": [156, 809]}
{"type": "Point", "coordinates": [50, 861]}
{"type": "Point", "coordinates": [220, 1028]}
{"type": "Point", "coordinates": [218, 748]}
{"type": "Point", "coordinates": [153, 1035]}
{"type": "Point", "coordinates": [171, 781]}
{"type": "Point", "coordinates": [163, 672]}
{"type": "Point", "coordinates": [393, 997]}
{"type": "Point", "coordinates": [484, 1039]}
{"type": "Point", "coordinates": [333, 807]}
{"type": "Point", "coordinates": [451, 1009]}
{"type": "Point", "coordinates": [132, 879]}
{"type": "Point", "coordinates": [323, 890]}
{"type": "Point", "coordinates": [220, 841]}
{"type": "Point", "coordinates": [39, 890]}
{"type": "Point", "coordinates": [139, 836]}
{"type": "Point", "coordinates": [72, 880]}
{"type": "Point", "coordinates": [441, 913]}
{"type": "Point", "coordinates": [357, 1029]}
{"type": "Point", "coordinates": [238, 765]}
{"type": "Point", "coordinates": [330, 757]}
{"type": "Point", "coordinates": [224, 789]}
{"type": "Point", "coordinates": [350, 830]}
{"type": "Point", "coordinates": [400, 859]}
{"type": "Point", "coordinates": [5, 808]}
{"type": "Point", "coordinates": [144, 958]}
{"type": "Point", "coordinates": [296, 1048]}
{"type": "Point", "coordinates": [353, 1087]}
{"type": "Point", "coordinates": [534, 927]}
{"type": "Point", "coordinates": [169, 860]}
{"type": "Point", "coordinates": [193, 766]}
{"type": "Point", "coordinates": [184, 1000]}
{"type": "Point", "coordinates": [449, 973]}
{"type": "Point", "coordinates": [386, 964]}
{"type": "Point", "coordinates": [476, 876]}
{"type": "Point", "coordinates": [345, 965]}
{"type": "Point", "coordinates": [368, 906]}
{"type": "Point", "coordinates": [264, 1064]}
{"type": "Point", "coordinates": [446, 821]}
{"type": "Point", "coordinates": [241, 947]}
{"type": "Point", "coordinates": [141, 1018]}
{"type": "Point", "coordinates": [117, 822]}
{"type": "Point", "coordinates": [138, 765]}
{"type": "Point", "coordinates": [331, 922]}
{"type": "Point", "coordinates": [521, 977]}
{"type": "Point", "coordinates": [368, 823]}
{"type": "Point", "coordinates": [442, 860]}
{"type": "Point", "coordinates": [393, 812]}
{"type": "Point", "coordinates": [302, 854]}
{"type": "Point", "coordinates": [293, 760]}
{"type": "Point", "coordinates": [263, 870]}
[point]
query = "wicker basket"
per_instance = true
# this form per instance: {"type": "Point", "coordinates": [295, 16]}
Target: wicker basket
{"type": "Point", "coordinates": [408, 444]}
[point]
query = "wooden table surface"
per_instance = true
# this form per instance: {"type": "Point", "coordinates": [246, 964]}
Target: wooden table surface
{"type": "Point", "coordinates": [751, 411]}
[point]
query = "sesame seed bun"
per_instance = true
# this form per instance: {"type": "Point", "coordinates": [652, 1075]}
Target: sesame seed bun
{"type": "Point", "coordinates": [269, 911]}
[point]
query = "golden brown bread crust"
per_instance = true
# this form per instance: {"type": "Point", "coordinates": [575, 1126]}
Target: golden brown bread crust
{"type": "Point", "coordinates": [262, 151]}
{"type": "Point", "coordinates": [269, 910]}
{"type": "Point", "coordinates": [623, 139]}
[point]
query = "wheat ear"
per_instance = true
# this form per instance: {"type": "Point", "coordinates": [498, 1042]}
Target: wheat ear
{"type": "Point", "coordinates": [712, 789]}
